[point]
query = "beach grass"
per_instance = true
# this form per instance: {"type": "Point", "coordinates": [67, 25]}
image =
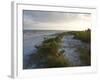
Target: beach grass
{"type": "Point", "coordinates": [48, 53]}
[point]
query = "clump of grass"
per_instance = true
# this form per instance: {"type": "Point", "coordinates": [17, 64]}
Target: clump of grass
{"type": "Point", "coordinates": [84, 36]}
{"type": "Point", "coordinates": [48, 53]}
{"type": "Point", "coordinates": [54, 61]}
{"type": "Point", "coordinates": [85, 56]}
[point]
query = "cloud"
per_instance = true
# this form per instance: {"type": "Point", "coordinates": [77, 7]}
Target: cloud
{"type": "Point", "coordinates": [51, 20]}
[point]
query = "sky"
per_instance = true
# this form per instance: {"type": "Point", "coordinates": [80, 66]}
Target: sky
{"type": "Point", "coordinates": [48, 20]}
